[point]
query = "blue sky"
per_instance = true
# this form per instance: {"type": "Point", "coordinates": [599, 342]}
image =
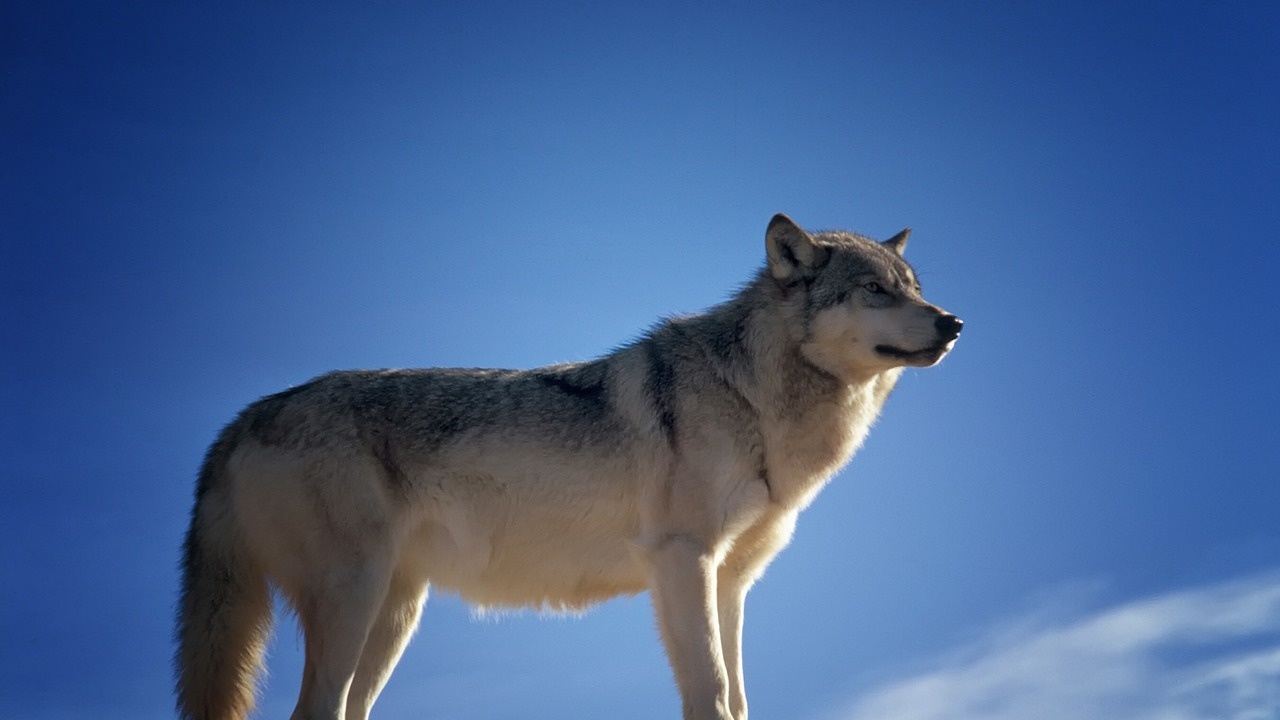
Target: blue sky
{"type": "Point", "coordinates": [1076, 510]}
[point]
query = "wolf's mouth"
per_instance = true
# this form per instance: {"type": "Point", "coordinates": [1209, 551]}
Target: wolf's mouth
{"type": "Point", "coordinates": [898, 352]}
{"type": "Point", "coordinates": [929, 354]}
{"type": "Point", "coordinates": [948, 328]}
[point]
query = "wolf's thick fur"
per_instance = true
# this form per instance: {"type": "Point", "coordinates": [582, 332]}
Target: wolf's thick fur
{"type": "Point", "coordinates": [676, 464]}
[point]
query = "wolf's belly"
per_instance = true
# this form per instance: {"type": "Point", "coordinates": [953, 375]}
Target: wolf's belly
{"type": "Point", "coordinates": [560, 553]}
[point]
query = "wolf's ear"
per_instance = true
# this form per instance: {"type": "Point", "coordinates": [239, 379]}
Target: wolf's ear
{"type": "Point", "coordinates": [898, 242]}
{"type": "Point", "coordinates": [792, 252]}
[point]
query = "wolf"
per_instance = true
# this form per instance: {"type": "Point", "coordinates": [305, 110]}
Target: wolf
{"type": "Point", "coordinates": [676, 464]}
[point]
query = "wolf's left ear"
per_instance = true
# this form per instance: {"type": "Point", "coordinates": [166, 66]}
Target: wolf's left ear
{"type": "Point", "coordinates": [793, 254]}
{"type": "Point", "coordinates": [898, 242]}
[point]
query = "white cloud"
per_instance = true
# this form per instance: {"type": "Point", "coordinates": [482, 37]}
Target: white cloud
{"type": "Point", "coordinates": [1211, 653]}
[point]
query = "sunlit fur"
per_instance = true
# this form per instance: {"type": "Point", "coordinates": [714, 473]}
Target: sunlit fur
{"type": "Point", "coordinates": [676, 465]}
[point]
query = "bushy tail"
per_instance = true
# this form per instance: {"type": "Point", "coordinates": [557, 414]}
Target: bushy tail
{"type": "Point", "coordinates": [224, 614]}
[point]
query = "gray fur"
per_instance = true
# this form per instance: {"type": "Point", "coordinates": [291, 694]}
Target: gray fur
{"type": "Point", "coordinates": [688, 451]}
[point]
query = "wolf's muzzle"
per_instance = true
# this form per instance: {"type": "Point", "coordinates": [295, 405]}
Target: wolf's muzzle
{"type": "Point", "coordinates": [948, 327]}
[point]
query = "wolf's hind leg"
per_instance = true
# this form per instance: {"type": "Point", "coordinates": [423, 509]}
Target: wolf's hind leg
{"type": "Point", "coordinates": [336, 619]}
{"type": "Point", "coordinates": [391, 632]}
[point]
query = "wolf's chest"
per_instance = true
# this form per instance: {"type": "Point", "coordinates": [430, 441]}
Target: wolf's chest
{"type": "Point", "coordinates": [803, 453]}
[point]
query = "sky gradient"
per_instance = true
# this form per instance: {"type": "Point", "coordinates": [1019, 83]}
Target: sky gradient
{"type": "Point", "coordinates": [203, 205]}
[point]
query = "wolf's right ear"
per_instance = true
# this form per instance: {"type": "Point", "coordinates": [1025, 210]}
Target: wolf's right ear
{"type": "Point", "coordinates": [898, 243]}
{"type": "Point", "coordinates": [793, 255]}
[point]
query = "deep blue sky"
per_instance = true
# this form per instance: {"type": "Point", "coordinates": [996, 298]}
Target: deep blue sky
{"type": "Point", "coordinates": [200, 205]}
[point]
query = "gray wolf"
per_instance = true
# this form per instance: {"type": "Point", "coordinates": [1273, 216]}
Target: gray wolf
{"type": "Point", "coordinates": [676, 465]}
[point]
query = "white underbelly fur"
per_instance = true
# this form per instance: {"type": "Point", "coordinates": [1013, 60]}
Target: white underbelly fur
{"type": "Point", "coordinates": [528, 537]}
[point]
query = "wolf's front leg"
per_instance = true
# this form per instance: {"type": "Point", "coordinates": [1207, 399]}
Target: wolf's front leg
{"type": "Point", "coordinates": [731, 599]}
{"type": "Point", "coordinates": [751, 552]}
{"type": "Point", "coordinates": [683, 588]}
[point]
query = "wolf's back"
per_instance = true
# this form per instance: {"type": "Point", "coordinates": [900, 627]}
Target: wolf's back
{"type": "Point", "coordinates": [224, 612]}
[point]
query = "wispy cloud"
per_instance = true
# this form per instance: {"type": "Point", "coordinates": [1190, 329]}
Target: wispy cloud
{"type": "Point", "coordinates": [1210, 653]}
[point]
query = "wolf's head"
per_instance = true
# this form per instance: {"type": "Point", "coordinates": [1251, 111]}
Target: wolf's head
{"type": "Point", "coordinates": [855, 303]}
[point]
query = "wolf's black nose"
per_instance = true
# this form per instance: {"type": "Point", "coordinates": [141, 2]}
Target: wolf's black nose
{"type": "Point", "coordinates": [948, 327]}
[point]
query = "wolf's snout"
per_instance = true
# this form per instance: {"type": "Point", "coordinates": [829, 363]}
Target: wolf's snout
{"type": "Point", "coordinates": [948, 326]}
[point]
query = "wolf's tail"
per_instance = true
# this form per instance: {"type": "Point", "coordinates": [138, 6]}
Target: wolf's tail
{"type": "Point", "coordinates": [224, 613]}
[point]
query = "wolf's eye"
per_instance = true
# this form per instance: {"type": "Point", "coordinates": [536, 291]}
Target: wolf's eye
{"type": "Point", "coordinates": [873, 287]}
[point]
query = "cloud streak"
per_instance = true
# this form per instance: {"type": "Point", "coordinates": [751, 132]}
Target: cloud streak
{"type": "Point", "coordinates": [1211, 653]}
